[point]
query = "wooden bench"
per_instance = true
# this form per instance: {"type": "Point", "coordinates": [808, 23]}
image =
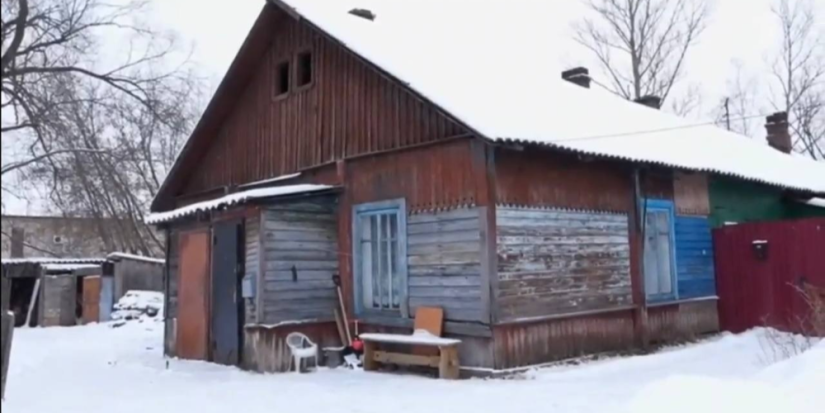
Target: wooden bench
{"type": "Point", "coordinates": [428, 328]}
{"type": "Point", "coordinates": [446, 362]}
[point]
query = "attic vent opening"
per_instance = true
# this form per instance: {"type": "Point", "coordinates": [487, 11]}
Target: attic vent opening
{"type": "Point", "coordinates": [304, 69]}
{"type": "Point", "coordinates": [363, 13]}
{"type": "Point", "coordinates": [281, 79]}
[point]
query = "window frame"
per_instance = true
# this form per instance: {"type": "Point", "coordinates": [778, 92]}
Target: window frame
{"type": "Point", "coordinates": [659, 205]}
{"type": "Point", "coordinates": [298, 87]}
{"type": "Point", "coordinates": [276, 76]}
{"type": "Point", "coordinates": [399, 207]}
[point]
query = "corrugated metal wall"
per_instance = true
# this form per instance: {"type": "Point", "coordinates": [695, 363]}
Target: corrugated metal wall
{"type": "Point", "coordinates": [758, 291]}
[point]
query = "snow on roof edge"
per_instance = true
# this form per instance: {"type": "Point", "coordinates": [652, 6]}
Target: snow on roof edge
{"type": "Point", "coordinates": [234, 199]}
{"type": "Point", "coordinates": [514, 141]}
{"type": "Point", "coordinates": [54, 261]}
{"type": "Point", "coordinates": [816, 202]}
{"type": "Point", "coordinates": [133, 257]}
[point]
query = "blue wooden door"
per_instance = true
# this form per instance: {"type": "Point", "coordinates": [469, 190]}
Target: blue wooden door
{"type": "Point", "coordinates": [226, 284]}
{"type": "Point", "coordinates": [107, 298]}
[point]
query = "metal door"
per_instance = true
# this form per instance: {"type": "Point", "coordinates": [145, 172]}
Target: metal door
{"type": "Point", "coordinates": [226, 284]}
{"type": "Point", "coordinates": [193, 293]}
{"type": "Point", "coordinates": [91, 299]}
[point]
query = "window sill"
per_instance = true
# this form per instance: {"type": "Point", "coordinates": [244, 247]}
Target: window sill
{"type": "Point", "coordinates": [666, 303]}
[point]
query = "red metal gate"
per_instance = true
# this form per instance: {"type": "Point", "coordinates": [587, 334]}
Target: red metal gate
{"type": "Point", "coordinates": [760, 268]}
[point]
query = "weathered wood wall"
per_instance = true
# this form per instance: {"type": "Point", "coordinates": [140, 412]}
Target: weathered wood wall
{"type": "Point", "coordinates": [683, 321]}
{"type": "Point", "coordinates": [444, 259]}
{"type": "Point", "coordinates": [133, 275]}
{"type": "Point", "coordinates": [58, 301]}
{"type": "Point", "coordinates": [553, 262]}
{"type": "Point", "coordinates": [6, 339]}
{"type": "Point", "coordinates": [5, 293]}
{"type": "Point", "coordinates": [349, 109]}
{"type": "Point", "coordinates": [691, 194]}
{"type": "Point", "coordinates": [265, 349]}
{"type": "Point", "coordinates": [542, 178]}
{"type": "Point", "coordinates": [173, 274]}
{"type": "Point", "coordinates": [252, 265]}
{"type": "Point", "coordinates": [300, 250]}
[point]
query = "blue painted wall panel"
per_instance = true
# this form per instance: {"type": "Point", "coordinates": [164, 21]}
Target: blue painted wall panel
{"type": "Point", "coordinates": [694, 258]}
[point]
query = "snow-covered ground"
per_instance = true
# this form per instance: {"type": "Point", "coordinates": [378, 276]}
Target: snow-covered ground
{"type": "Point", "coordinates": [97, 369]}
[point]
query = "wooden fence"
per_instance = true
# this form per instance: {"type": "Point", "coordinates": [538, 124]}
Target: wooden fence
{"type": "Point", "coordinates": [5, 339]}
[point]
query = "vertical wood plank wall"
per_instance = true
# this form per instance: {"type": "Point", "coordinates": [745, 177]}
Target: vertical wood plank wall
{"type": "Point", "coordinates": [350, 109]}
{"type": "Point", "coordinates": [58, 300]}
{"type": "Point", "coordinates": [300, 252]}
{"type": "Point", "coordinates": [554, 262]}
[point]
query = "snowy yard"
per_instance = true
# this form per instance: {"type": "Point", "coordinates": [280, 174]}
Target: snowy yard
{"type": "Point", "coordinates": [98, 369]}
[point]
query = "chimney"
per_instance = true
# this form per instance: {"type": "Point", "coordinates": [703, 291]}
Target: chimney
{"type": "Point", "coordinates": [363, 13]}
{"type": "Point", "coordinates": [779, 133]}
{"type": "Point", "coordinates": [18, 242]}
{"type": "Point", "coordinates": [579, 76]}
{"type": "Point", "coordinates": [650, 101]}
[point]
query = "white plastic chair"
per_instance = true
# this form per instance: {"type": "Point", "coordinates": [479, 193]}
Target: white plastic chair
{"type": "Point", "coordinates": [302, 348]}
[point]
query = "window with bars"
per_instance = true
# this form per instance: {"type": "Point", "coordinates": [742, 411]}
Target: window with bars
{"type": "Point", "coordinates": [381, 257]}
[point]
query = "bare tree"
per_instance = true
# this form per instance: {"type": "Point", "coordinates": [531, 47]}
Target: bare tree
{"type": "Point", "coordinates": [642, 45]}
{"type": "Point", "coordinates": [738, 110]}
{"type": "Point", "coordinates": [120, 151]}
{"type": "Point", "coordinates": [799, 73]}
{"type": "Point", "coordinates": [45, 41]}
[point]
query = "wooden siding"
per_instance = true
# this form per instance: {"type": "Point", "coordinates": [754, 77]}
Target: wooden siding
{"type": "Point", "coordinates": [135, 275]}
{"type": "Point", "coordinates": [520, 345]}
{"type": "Point", "coordinates": [429, 178]}
{"type": "Point", "coordinates": [683, 321]}
{"type": "Point", "coordinates": [691, 194]}
{"type": "Point", "coordinates": [300, 251]}
{"type": "Point", "coordinates": [265, 349]}
{"type": "Point", "coordinates": [694, 257]}
{"type": "Point", "coordinates": [58, 300]}
{"type": "Point", "coordinates": [252, 262]}
{"type": "Point", "coordinates": [350, 109]}
{"type": "Point", "coordinates": [553, 262]}
{"type": "Point", "coordinates": [444, 258]}
{"type": "Point", "coordinates": [542, 178]}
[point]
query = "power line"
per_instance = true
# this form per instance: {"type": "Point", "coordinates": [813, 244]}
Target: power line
{"type": "Point", "coordinates": [652, 131]}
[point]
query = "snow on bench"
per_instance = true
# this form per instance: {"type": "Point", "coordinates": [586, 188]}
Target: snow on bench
{"type": "Point", "coordinates": [419, 338]}
{"type": "Point", "coordinates": [446, 362]}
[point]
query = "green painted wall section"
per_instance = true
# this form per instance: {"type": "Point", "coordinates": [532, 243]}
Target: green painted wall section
{"type": "Point", "coordinates": [733, 200]}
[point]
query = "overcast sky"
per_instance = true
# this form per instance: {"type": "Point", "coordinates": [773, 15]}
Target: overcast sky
{"type": "Point", "coordinates": [742, 31]}
{"type": "Point", "coordinates": [739, 30]}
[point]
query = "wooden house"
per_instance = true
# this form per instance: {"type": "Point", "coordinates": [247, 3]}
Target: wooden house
{"type": "Point", "coordinates": [547, 219]}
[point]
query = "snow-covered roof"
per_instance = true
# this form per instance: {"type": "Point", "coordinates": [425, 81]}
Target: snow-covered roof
{"type": "Point", "coordinates": [500, 80]}
{"type": "Point", "coordinates": [64, 268]}
{"type": "Point", "coordinates": [235, 199]}
{"type": "Point", "coordinates": [117, 256]}
{"type": "Point", "coordinates": [816, 202]}
{"type": "Point", "coordinates": [52, 261]}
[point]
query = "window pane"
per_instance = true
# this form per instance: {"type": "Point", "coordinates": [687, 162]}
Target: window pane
{"type": "Point", "coordinates": [385, 262]}
{"type": "Point", "coordinates": [366, 262]}
{"type": "Point", "coordinates": [651, 265]}
{"type": "Point", "coordinates": [376, 270]}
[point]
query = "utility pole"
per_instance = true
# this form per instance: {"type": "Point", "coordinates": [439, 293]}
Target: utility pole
{"type": "Point", "coordinates": [727, 113]}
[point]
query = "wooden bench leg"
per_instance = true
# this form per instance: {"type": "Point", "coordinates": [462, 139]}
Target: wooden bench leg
{"type": "Point", "coordinates": [369, 357]}
{"type": "Point", "coordinates": [449, 369]}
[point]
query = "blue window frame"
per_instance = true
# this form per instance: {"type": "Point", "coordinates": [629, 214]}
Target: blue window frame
{"type": "Point", "coordinates": [380, 258]}
{"type": "Point", "coordinates": [660, 252]}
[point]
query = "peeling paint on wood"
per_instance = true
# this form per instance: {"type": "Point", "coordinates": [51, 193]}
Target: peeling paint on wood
{"type": "Point", "coordinates": [554, 262]}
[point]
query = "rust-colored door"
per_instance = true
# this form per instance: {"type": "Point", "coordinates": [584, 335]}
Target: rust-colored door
{"type": "Point", "coordinates": [91, 299]}
{"type": "Point", "coordinates": [193, 293]}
